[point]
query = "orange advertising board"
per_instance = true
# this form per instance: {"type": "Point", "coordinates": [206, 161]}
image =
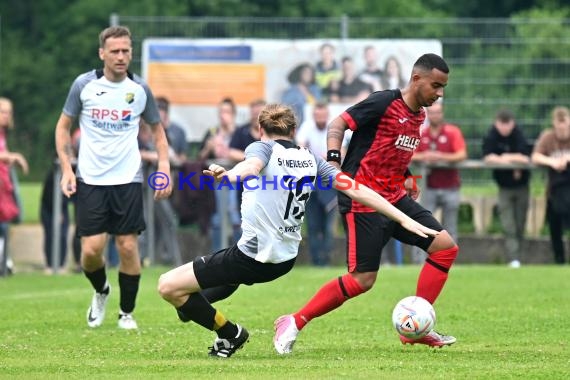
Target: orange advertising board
{"type": "Point", "coordinates": [207, 83]}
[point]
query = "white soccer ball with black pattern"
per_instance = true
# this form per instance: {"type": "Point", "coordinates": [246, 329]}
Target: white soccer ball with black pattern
{"type": "Point", "coordinates": [413, 317]}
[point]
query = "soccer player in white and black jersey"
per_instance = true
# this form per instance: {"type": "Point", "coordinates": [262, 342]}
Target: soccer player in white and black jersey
{"type": "Point", "coordinates": [278, 178]}
{"type": "Point", "coordinates": [109, 104]}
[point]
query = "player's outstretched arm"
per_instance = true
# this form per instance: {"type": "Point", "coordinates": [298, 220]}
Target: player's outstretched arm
{"type": "Point", "coordinates": [247, 168]}
{"type": "Point", "coordinates": [370, 198]}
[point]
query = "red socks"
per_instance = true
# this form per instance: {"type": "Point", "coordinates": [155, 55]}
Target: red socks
{"type": "Point", "coordinates": [334, 293]}
{"type": "Point", "coordinates": [329, 297]}
{"type": "Point", "coordinates": [434, 273]}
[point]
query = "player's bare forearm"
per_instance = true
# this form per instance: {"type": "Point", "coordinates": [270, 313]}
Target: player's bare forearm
{"type": "Point", "coordinates": [63, 142]}
{"type": "Point", "coordinates": [370, 198]}
{"type": "Point", "coordinates": [243, 169]}
{"type": "Point", "coordinates": [65, 154]}
{"type": "Point", "coordinates": [335, 133]}
{"type": "Point", "coordinates": [367, 197]}
{"type": "Point", "coordinates": [163, 164]}
{"type": "Point", "coordinates": [248, 168]}
{"type": "Point", "coordinates": [161, 144]}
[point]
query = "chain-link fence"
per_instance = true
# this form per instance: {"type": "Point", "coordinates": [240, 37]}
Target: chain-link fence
{"type": "Point", "coordinates": [521, 64]}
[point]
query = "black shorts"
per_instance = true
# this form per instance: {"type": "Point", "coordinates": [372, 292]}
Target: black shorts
{"type": "Point", "coordinates": [230, 266]}
{"type": "Point", "coordinates": [116, 209]}
{"type": "Point", "coordinates": [368, 233]}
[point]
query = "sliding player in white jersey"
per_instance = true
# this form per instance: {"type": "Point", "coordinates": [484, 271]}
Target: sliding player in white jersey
{"type": "Point", "coordinates": [278, 178]}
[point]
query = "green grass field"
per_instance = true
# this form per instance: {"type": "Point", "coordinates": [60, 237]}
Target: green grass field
{"type": "Point", "coordinates": [510, 324]}
{"type": "Point", "coordinates": [31, 192]}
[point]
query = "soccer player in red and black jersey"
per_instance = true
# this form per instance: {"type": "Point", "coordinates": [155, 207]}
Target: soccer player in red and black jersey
{"type": "Point", "coordinates": [386, 131]}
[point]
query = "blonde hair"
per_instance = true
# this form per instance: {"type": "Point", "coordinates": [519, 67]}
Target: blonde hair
{"type": "Point", "coordinates": [278, 120]}
{"type": "Point", "coordinates": [560, 113]}
{"type": "Point", "coordinates": [113, 32]}
{"type": "Point", "coordinates": [5, 102]}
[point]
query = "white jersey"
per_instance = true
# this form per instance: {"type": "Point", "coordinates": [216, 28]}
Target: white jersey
{"type": "Point", "coordinates": [109, 115]}
{"type": "Point", "coordinates": [273, 204]}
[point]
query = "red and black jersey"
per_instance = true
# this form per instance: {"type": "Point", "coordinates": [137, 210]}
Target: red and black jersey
{"type": "Point", "coordinates": [386, 133]}
{"type": "Point", "coordinates": [448, 140]}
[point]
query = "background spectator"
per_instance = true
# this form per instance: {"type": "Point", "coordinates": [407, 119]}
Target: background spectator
{"type": "Point", "coordinates": [552, 150]}
{"type": "Point", "coordinates": [46, 217]}
{"type": "Point", "coordinates": [441, 142]}
{"type": "Point", "coordinates": [505, 144]}
{"type": "Point", "coordinates": [178, 146]}
{"type": "Point", "coordinates": [372, 73]}
{"type": "Point", "coordinates": [216, 142]}
{"type": "Point", "coordinates": [349, 89]}
{"type": "Point", "coordinates": [245, 135]}
{"type": "Point", "coordinates": [302, 90]}
{"type": "Point", "coordinates": [165, 217]}
{"type": "Point", "coordinates": [216, 146]}
{"type": "Point", "coordinates": [327, 69]}
{"type": "Point", "coordinates": [9, 208]}
{"type": "Point", "coordinates": [393, 76]}
{"type": "Point", "coordinates": [321, 210]}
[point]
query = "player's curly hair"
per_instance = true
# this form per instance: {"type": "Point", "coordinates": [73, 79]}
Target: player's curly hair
{"type": "Point", "coordinates": [113, 32]}
{"type": "Point", "coordinates": [278, 120]}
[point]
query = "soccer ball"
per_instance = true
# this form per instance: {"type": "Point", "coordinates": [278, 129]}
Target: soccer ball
{"type": "Point", "coordinates": [413, 317]}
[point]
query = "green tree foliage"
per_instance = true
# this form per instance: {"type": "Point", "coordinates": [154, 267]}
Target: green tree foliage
{"type": "Point", "coordinates": [491, 8]}
{"type": "Point", "coordinates": [45, 45]}
{"type": "Point", "coordinates": [531, 75]}
{"type": "Point", "coordinates": [303, 8]}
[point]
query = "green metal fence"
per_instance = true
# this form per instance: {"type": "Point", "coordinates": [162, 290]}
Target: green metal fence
{"type": "Point", "coordinates": [522, 64]}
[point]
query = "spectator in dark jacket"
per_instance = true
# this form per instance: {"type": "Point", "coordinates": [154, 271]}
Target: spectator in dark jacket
{"type": "Point", "coordinates": [506, 144]}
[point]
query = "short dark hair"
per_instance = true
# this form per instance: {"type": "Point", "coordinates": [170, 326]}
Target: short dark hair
{"type": "Point", "coordinates": [162, 103]}
{"type": "Point", "coordinates": [113, 32]}
{"type": "Point", "coordinates": [431, 61]}
{"type": "Point", "coordinates": [505, 115]}
{"type": "Point", "coordinates": [229, 101]}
